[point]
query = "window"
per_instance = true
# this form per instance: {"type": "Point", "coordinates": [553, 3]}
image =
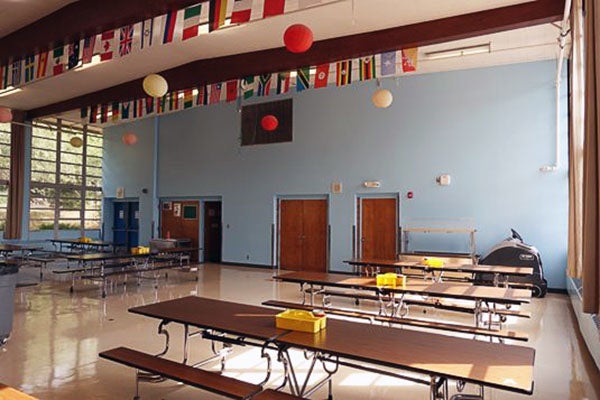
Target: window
{"type": "Point", "coordinates": [4, 170]}
{"type": "Point", "coordinates": [66, 180]}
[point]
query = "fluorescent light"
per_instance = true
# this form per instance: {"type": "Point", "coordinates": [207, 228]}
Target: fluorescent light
{"type": "Point", "coordinates": [95, 61]}
{"type": "Point", "coordinates": [459, 51]}
{"type": "Point", "coordinates": [10, 90]}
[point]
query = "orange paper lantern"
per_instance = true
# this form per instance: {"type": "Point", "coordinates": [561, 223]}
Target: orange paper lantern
{"type": "Point", "coordinates": [269, 122]}
{"type": "Point", "coordinates": [298, 38]}
{"type": "Point", "coordinates": [129, 139]}
{"type": "Point", "coordinates": [5, 114]}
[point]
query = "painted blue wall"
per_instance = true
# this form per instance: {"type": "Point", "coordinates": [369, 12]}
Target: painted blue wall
{"type": "Point", "coordinates": [491, 129]}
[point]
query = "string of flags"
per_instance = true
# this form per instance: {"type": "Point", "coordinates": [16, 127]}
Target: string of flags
{"type": "Point", "coordinates": [387, 64]}
{"type": "Point", "coordinates": [177, 25]}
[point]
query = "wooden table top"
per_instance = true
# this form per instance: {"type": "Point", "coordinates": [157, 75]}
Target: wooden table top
{"type": "Point", "coordinates": [413, 286]}
{"type": "Point", "coordinates": [7, 247]}
{"type": "Point", "coordinates": [98, 243]}
{"type": "Point", "coordinates": [470, 268]}
{"type": "Point", "coordinates": [104, 256]}
{"type": "Point", "coordinates": [507, 367]}
{"type": "Point", "coordinates": [234, 318]}
{"type": "Point", "coordinates": [8, 393]}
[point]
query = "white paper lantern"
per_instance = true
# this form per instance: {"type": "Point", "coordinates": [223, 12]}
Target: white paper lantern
{"type": "Point", "coordinates": [155, 85]}
{"type": "Point", "coordinates": [382, 98]}
{"type": "Point", "coordinates": [76, 141]}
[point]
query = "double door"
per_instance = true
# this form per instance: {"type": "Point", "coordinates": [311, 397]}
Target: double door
{"type": "Point", "coordinates": [126, 223]}
{"type": "Point", "coordinates": [303, 235]}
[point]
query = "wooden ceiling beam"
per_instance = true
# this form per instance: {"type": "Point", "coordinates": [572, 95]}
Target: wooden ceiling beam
{"type": "Point", "coordinates": [237, 66]}
{"type": "Point", "coordinates": [82, 19]}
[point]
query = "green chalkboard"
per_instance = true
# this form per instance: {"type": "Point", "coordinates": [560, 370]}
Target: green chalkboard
{"type": "Point", "coordinates": [190, 212]}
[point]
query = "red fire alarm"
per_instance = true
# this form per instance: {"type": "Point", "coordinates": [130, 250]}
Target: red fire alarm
{"type": "Point", "coordinates": [409, 195]}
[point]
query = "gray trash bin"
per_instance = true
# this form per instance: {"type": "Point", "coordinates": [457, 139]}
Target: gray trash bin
{"type": "Point", "coordinates": [8, 281]}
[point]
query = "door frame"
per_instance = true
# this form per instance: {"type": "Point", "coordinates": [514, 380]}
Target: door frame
{"type": "Point", "coordinates": [357, 229]}
{"type": "Point", "coordinates": [201, 200]}
{"type": "Point", "coordinates": [276, 227]}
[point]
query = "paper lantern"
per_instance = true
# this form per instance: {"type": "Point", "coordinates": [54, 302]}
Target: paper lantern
{"type": "Point", "coordinates": [269, 122]}
{"type": "Point", "coordinates": [5, 114]}
{"type": "Point", "coordinates": [155, 85]}
{"type": "Point", "coordinates": [129, 139]}
{"type": "Point", "coordinates": [76, 141]}
{"type": "Point", "coordinates": [298, 38]}
{"type": "Point", "coordinates": [382, 98]}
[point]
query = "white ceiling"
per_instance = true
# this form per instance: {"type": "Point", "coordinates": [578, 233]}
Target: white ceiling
{"type": "Point", "coordinates": [332, 19]}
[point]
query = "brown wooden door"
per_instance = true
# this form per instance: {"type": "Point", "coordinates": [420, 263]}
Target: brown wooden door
{"type": "Point", "coordinates": [378, 219]}
{"type": "Point", "coordinates": [212, 231]}
{"type": "Point", "coordinates": [303, 235]}
{"type": "Point", "coordinates": [175, 225]}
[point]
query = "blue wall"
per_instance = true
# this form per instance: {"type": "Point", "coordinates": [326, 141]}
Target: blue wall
{"type": "Point", "coordinates": [491, 129]}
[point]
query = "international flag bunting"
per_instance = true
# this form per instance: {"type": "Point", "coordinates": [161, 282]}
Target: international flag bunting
{"type": "Point", "coordinates": [322, 76]}
{"type": "Point", "coordinates": [202, 98]}
{"type": "Point", "coordinates": [264, 85]}
{"type": "Point", "coordinates": [88, 49]}
{"type": "Point", "coordinates": [188, 98]}
{"type": "Point", "coordinates": [83, 112]}
{"type": "Point", "coordinates": [138, 108]}
{"type": "Point", "coordinates": [174, 101]}
{"type": "Point", "coordinates": [388, 63]}
{"type": "Point", "coordinates": [42, 65]}
{"type": "Point", "coordinates": [125, 40]}
{"type": "Point", "coordinates": [366, 68]}
{"type": "Point", "coordinates": [247, 87]}
{"type": "Point", "coordinates": [107, 45]}
{"type": "Point", "coordinates": [104, 113]}
{"type": "Point", "coordinates": [161, 104]}
{"type": "Point", "coordinates": [343, 73]}
{"type": "Point", "coordinates": [283, 82]}
{"type": "Point", "coordinates": [29, 68]}
{"type": "Point", "coordinates": [409, 60]}
{"type": "Point", "coordinates": [147, 35]}
{"type": "Point", "coordinates": [4, 77]}
{"type": "Point", "coordinates": [115, 111]}
{"type": "Point", "coordinates": [93, 114]}
{"type": "Point", "coordinates": [58, 56]}
{"type": "Point", "coordinates": [149, 105]}
{"type": "Point", "coordinates": [215, 93]}
{"type": "Point", "coordinates": [242, 9]}
{"type": "Point", "coordinates": [73, 58]}
{"type": "Point", "coordinates": [302, 79]}
{"type": "Point", "coordinates": [232, 90]}
{"type": "Point", "coordinates": [169, 26]}
{"type": "Point", "coordinates": [273, 7]}
{"type": "Point", "coordinates": [125, 109]}
{"type": "Point", "coordinates": [191, 20]}
{"type": "Point", "coordinates": [217, 13]}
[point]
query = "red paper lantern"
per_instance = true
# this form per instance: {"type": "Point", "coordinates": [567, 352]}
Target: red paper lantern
{"type": "Point", "coordinates": [5, 114]}
{"type": "Point", "coordinates": [269, 122]}
{"type": "Point", "coordinates": [298, 38]}
{"type": "Point", "coordinates": [129, 139]}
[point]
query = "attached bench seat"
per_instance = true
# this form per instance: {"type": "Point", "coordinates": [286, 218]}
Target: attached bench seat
{"type": "Point", "coordinates": [271, 394]}
{"type": "Point", "coordinates": [207, 380]}
{"type": "Point", "coordinates": [446, 326]}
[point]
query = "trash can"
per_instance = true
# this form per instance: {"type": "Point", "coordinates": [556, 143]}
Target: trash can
{"type": "Point", "coordinates": [8, 281]}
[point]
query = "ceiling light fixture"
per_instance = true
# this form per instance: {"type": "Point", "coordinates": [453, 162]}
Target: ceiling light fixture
{"type": "Point", "coordinates": [10, 90]}
{"type": "Point", "coordinates": [459, 51]}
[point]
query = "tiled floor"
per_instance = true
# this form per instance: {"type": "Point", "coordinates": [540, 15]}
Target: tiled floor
{"type": "Point", "coordinates": [52, 353]}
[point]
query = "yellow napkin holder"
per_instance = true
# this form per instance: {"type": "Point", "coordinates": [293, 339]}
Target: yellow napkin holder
{"type": "Point", "coordinates": [433, 262]}
{"type": "Point", "coordinates": [391, 280]}
{"type": "Point", "coordinates": [300, 320]}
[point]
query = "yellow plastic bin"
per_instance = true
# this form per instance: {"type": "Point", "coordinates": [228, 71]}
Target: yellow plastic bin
{"type": "Point", "coordinates": [300, 320]}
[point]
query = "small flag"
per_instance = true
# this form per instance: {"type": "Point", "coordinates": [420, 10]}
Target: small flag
{"type": "Point", "coordinates": [366, 68]}
{"type": "Point", "coordinates": [169, 26]}
{"type": "Point", "coordinates": [264, 85]}
{"type": "Point", "coordinates": [174, 101]}
{"type": "Point", "coordinates": [216, 18]}
{"type": "Point", "coordinates": [188, 98]}
{"type": "Point", "coordinates": [115, 111]}
{"type": "Point", "coordinates": [302, 79]}
{"type": "Point", "coordinates": [215, 93]}
{"type": "Point", "coordinates": [58, 56]}
{"type": "Point", "coordinates": [242, 9]}
{"type": "Point", "coordinates": [88, 49]}
{"type": "Point", "coordinates": [160, 104]}
{"type": "Point", "coordinates": [283, 82]}
{"type": "Point", "coordinates": [42, 64]}
{"type": "Point", "coordinates": [83, 112]}
{"type": "Point", "coordinates": [322, 76]}
{"type": "Point", "coordinates": [3, 77]}
{"type": "Point", "coordinates": [93, 114]}
{"type": "Point", "coordinates": [104, 113]}
{"type": "Point", "coordinates": [147, 36]}
{"type": "Point", "coordinates": [16, 72]}
{"type": "Point", "coordinates": [388, 63]}
{"type": "Point", "coordinates": [232, 90]}
{"type": "Point", "coordinates": [107, 39]}
{"type": "Point", "coordinates": [149, 105]}
{"type": "Point", "coordinates": [202, 98]}
{"type": "Point", "coordinates": [343, 73]}
{"type": "Point", "coordinates": [29, 68]}
{"type": "Point", "coordinates": [409, 60]}
{"type": "Point", "coordinates": [125, 110]}
{"type": "Point", "coordinates": [125, 40]}
{"type": "Point", "coordinates": [191, 20]}
{"type": "Point", "coordinates": [273, 7]}
{"type": "Point", "coordinates": [248, 87]}
{"type": "Point", "coordinates": [73, 58]}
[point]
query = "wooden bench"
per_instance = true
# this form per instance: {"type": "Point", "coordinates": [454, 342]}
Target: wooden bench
{"type": "Point", "coordinates": [271, 394]}
{"type": "Point", "coordinates": [206, 380]}
{"type": "Point", "coordinates": [445, 326]}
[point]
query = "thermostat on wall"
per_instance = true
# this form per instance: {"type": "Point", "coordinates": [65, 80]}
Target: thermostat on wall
{"type": "Point", "coordinates": [443, 180]}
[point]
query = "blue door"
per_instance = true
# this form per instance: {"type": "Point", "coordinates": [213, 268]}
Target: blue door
{"type": "Point", "coordinates": [133, 224]}
{"type": "Point", "coordinates": [120, 224]}
{"type": "Point", "coordinates": [126, 223]}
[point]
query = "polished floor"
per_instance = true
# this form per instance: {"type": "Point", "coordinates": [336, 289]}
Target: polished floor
{"type": "Point", "coordinates": [56, 338]}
